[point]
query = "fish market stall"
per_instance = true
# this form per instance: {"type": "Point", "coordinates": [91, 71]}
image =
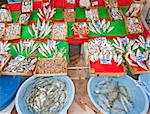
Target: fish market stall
{"type": "Point", "coordinates": [74, 57]}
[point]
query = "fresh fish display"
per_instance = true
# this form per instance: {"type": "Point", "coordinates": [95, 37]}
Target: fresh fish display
{"type": "Point", "coordinates": [27, 6]}
{"type": "Point", "coordinates": [120, 44]}
{"type": "Point", "coordinates": [4, 47]}
{"type": "Point", "coordinates": [13, 31]}
{"type": "Point", "coordinates": [51, 66]}
{"type": "Point", "coordinates": [69, 15]}
{"type": "Point", "coordinates": [40, 30]}
{"type": "Point", "coordinates": [113, 97]}
{"type": "Point", "coordinates": [81, 30]}
{"type": "Point", "coordinates": [20, 65]}
{"type": "Point", "coordinates": [2, 30]}
{"type": "Point", "coordinates": [50, 50]}
{"type": "Point", "coordinates": [100, 27]}
{"type": "Point", "coordinates": [134, 10]}
{"type": "Point", "coordinates": [134, 26]}
{"type": "Point", "coordinates": [102, 50]}
{"type": "Point", "coordinates": [92, 14]}
{"type": "Point", "coordinates": [24, 18]}
{"type": "Point", "coordinates": [59, 31]}
{"type": "Point", "coordinates": [26, 48]}
{"type": "Point", "coordinates": [47, 96]}
{"type": "Point", "coordinates": [85, 3]}
{"type": "Point", "coordinates": [5, 15]}
{"type": "Point", "coordinates": [136, 56]}
{"type": "Point", "coordinates": [47, 12]}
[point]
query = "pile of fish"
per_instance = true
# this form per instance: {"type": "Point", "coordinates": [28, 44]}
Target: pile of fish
{"type": "Point", "coordinates": [27, 6]}
{"type": "Point", "coordinates": [136, 56]}
{"type": "Point", "coordinates": [51, 66]}
{"type": "Point", "coordinates": [2, 30]}
{"type": "Point", "coordinates": [100, 27]}
{"type": "Point", "coordinates": [81, 30]}
{"type": "Point", "coordinates": [113, 9]}
{"type": "Point", "coordinates": [85, 3]}
{"type": "Point", "coordinates": [113, 97]}
{"type": "Point", "coordinates": [47, 12]}
{"type": "Point", "coordinates": [4, 47]}
{"type": "Point", "coordinates": [134, 9]}
{"type": "Point", "coordinates": [92, 14]}
{"type": "Point", "coordinates": [26, 47]}
{"type": "Point", "coordinates": [24, 18]}
{"type": "Point", "coordinates": [69, 15]}
{"type": "Point", "coordinates": [20, 66]}
{"type": "Point", "coordinates": [40, 30]}
{"type": "Point", "coordinates": [47, 96]}
{"type": "Point", "coordinates": [101, 49]}
{"type": "Point", "coordinates": [134, 25]}
{"type": "Point", "coordinates": [59, 31]}
{"type": "Point", "coordinates": [13, 30]}
{"type": "Point", "coordinates": [116, 14]}
{"type": "Point", "coordinates": [50, 50]}
{"type": "Point", "coordinates": [5, 15]}
{"type": "Point", "coordinates": [111, 3]}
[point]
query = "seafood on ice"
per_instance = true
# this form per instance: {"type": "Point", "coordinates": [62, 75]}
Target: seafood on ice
{"type": "Point", "coordinates": [100, 27]}
{"type": "Point", "coordinates": [136, 56]}
{"type": "Point", "coordinates": [26, 48]}
{"type": "Point", "coordinates": [113, 97]}
{"type": "Point", "coordinates": [69, 15]}
{"type": "Point", "coordinates": [59, 31]}
{"type": "Point", "coordinates": [92, 14]}
{"type": "Point", "coordinates": [5, 15]}
{"type": "Point", "coordinates": [85, 3]}
{"type": "Point", "coordinates": [47, 95]}
{"type": "Point", "coordinates": [102, 50]}
{"type": "Point", "coordinates": [134, 10]}
{"type": "Point", "coordinates": [134, 25]}
{"type": "Point", "coordinates": [13, 30]}
{"type": "Point", "coordinates": [4, 47]}
{"type": "Point", "coordinates": [51, 66]}
{"type": "Point", "coordinates": [20, 64]}
{"type": "Point", "coordinates": [50, 50]}
{"type": "Point", "coordinates": [47, 12]}
{"type": "Point", "coordinates": [24, 18]}
{"type": "Point", "coordinates": [2, 30]}
{"type": "Point", "coordinates": [27, 6]}
{"type": "Point", "coordinates": [40, 30]}
{"type": "Point", "coordinates": [80, 30]}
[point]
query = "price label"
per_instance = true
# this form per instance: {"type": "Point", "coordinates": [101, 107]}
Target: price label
{"type": "Point", "coordinates": [140, 57]}
{"type": "Point", "coordinates": [125, 41]}
{"type": "Point", "coordinates": [71, 1]}
{"type": "Point", "coordinates": [19, 58]}
{"type": "Point", "coordinates": [26, 44]}
{"type": "Point", "coordinates": [2, 58]}
{"type": "Point", "coordinates": [105, 60]}
{"type": "Point", "coordinates": [70, 10]}
{"type": "Point", "coordinates": [101, 40]}
{"type": "Point", "coordinates": [51, 43]}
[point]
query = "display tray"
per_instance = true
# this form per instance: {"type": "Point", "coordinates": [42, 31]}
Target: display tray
{"type": "Point", "coordinates": [49, 74]}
